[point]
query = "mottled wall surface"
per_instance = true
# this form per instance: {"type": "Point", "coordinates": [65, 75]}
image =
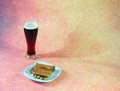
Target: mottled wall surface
{"type": "Point", "coordinates": [80, 36]}
{"type": "Point", "coordinates": [70, 27]}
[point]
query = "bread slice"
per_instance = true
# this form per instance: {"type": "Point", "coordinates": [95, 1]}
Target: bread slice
{"type": "Point", "coordinates": [44, 66]}
{"type": "Point", "coordinates": [42, 70]}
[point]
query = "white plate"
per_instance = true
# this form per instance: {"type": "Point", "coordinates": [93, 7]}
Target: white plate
{"type": "Point", "coordinates": [54, 75]}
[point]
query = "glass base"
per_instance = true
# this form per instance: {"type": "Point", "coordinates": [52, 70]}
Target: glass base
{"type": "Point", "coordinates": [32, 57]}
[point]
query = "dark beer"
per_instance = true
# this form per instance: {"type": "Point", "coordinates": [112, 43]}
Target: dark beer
{"type": "Point", "coordinates": [31, 30]}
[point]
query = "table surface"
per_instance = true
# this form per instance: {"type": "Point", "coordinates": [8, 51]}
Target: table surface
{"type": "Point", "coordinates": [81, 37]}
{"type": "Point", "coordinates": [98, 73]}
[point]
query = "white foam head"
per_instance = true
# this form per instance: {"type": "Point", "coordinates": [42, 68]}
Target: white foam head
{"type": "Point", "coordinates": [30, 25]}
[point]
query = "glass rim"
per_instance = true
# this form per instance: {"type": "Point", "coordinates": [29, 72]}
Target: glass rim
{"type": "Point", "coordinates": [30, 24]}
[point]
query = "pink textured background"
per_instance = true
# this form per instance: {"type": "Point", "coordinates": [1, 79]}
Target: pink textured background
{"type": "Point", "coordinates": [82, 37]}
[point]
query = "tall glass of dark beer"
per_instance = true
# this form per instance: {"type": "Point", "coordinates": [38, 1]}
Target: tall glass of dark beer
{"type": "Point", "coordinates": [31, 30]}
